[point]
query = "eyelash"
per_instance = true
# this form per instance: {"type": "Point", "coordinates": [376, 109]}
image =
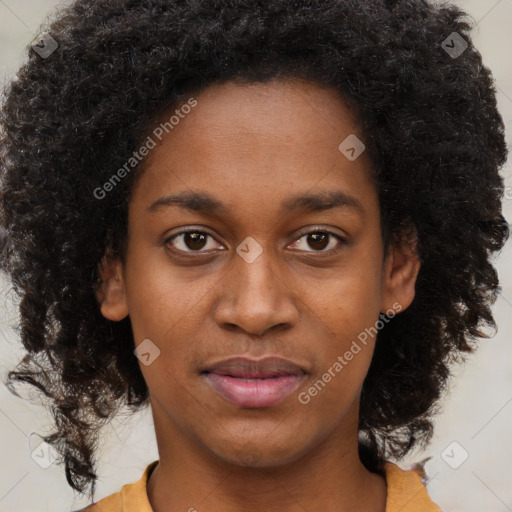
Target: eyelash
{"type": "Point", "coordinates": [187, 254]}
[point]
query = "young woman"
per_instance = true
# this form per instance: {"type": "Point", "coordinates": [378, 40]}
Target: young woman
{"type": "Point", "coordinates": [270, 221]}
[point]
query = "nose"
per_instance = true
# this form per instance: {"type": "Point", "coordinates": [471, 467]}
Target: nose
{"type": "Point", "coordinates": [257, 296]}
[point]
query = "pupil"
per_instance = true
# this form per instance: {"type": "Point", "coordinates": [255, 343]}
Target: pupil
{"type": "Point", "coordinates": [315, 237]}
{"type": "Point", "coordinates": [196, 238]}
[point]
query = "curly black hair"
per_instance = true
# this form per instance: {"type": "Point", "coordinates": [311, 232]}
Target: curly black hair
{"type": "Point", "coordinates": [70, 120]}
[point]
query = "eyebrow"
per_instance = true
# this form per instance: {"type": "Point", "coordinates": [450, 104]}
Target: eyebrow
{"type": "Point", "coordinates": [206, 204]}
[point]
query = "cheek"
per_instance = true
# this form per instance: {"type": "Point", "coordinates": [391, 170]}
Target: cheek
{"type": "Point", "coordinates": [168, 309]}
{"type": "Point", "coordinates": [349, 301]}
{"type": "Point", "coordinates": [344, 357]}
{"type": "Point", "coordinates": [160, 300]}
{"type": "Point", "coordinates": [349, 306]}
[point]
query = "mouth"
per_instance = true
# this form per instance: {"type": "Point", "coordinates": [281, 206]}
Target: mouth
{"type": "Point", "coordinates": [254, 383]}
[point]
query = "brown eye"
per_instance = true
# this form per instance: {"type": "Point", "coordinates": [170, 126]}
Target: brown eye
{"type": "Point", "coordinates": [191, 241]}
{"type": "Point", "coordinates": [194, 241]}
{"type": "Point", "coordinates": [318, 241]}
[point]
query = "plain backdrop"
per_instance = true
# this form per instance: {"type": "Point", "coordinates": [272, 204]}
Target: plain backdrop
{"type": "Point", "coordinates": [477, 410]}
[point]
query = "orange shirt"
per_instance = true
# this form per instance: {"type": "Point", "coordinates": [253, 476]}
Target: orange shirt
{"type": "Point", "coordinates": [406, 493]}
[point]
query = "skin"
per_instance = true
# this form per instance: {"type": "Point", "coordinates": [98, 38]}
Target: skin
{"type": "Point", "coordinates": [253, 147]}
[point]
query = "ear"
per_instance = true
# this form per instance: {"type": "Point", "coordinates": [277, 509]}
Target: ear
{"type": "Point", "coordinates": [401, 269]}
{"type": "Point", "coordinates": [110, 292]}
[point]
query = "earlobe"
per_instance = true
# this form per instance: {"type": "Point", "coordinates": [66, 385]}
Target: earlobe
{"type": "Point", "coordinates": [111, 292]}
{"type": "Point", "coordinates": [400, 273]}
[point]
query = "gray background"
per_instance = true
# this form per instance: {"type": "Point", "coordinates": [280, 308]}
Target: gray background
{"type": "Point", "coordinates": [477, 411]}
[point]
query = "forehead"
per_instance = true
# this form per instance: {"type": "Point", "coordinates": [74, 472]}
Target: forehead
{"type": "Point", "coordinates": [286, 108]}
{"type": "Point", "coordinates": [264, 141]}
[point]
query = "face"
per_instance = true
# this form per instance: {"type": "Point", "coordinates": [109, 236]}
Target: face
{"type": "Point", "coordinates": [252, 234]}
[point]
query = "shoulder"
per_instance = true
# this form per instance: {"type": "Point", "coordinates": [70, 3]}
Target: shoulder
{"type": "Point", "coordinates": [406, 491]}
{"type": "Point", "coordinates": [112, 503]}
{"type": "Point", "coordinates": [131, 497]}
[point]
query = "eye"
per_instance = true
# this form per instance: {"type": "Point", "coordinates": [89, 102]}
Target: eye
{"type": "Point", "coordinates": [320, 241]}
{"type": "Point", "coordinates": [191, 240]}
{"type": "Point", "coordinates": [196, 240]}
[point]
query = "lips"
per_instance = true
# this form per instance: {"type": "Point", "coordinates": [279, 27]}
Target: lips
{"type": "Point", "coordinates": [244, 368]}
{"type": "Point", "coordinates": [253, 383]}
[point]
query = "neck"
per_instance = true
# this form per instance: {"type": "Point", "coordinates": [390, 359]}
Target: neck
{"type": "Point", "coordinates": [328, 477]}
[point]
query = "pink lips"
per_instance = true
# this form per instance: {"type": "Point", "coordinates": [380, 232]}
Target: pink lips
{"type": "Point", "coordinates": [254, 383]}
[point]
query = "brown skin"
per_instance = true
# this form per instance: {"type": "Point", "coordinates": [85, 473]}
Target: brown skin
{"type": "Point", "coordinates": [252, 147]}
